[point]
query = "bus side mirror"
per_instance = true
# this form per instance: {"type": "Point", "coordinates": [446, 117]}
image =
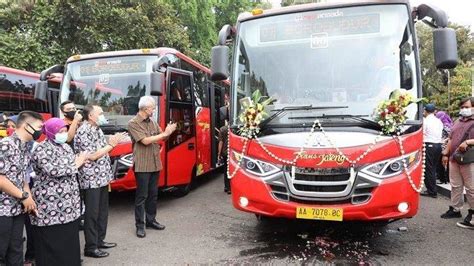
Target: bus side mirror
{"type": "Point", "coordinates": [219, 63]}
{"type": "Point", "coordinates": [157, 79]}
{"type": "Point", "coordinates": [41, 90]}
{"type": "Point", "coordinates": [445, 48]}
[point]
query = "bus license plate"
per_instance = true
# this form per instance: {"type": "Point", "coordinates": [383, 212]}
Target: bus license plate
{"type": "Point", "coordinates": [328, 214]}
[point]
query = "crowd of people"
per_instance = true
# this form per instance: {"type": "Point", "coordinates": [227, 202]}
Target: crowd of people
{"type": "Point", "coordinates": [447, 145]}
{"type": "Point", "coordinates": [41, 183]}
{"type": "Point", "coordinates": [46, 185]}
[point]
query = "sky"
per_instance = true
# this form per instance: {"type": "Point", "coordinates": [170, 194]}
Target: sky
{"type": "Point", "coordinates": [459, 11]}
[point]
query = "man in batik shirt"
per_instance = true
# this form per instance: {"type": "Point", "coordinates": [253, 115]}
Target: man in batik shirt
{"type": "Point", "coordinates": [94, 178]}
{"type": "Point", "coordinates": [14, 161]}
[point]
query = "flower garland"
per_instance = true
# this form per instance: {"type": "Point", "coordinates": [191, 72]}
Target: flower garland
{"type": "Point", "coordinates": [390, 114]}
{"type": "Point", "coordinates": [253, 114]}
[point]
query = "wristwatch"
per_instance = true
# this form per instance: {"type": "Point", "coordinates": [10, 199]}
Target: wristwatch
{"type": "Point", "coordinates": [24, 196]}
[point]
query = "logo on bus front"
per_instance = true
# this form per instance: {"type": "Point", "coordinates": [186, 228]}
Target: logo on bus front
{"type": "Point", "coordinates": [319, 40]}
{"type": "Point", "coordinates": [321, 158]}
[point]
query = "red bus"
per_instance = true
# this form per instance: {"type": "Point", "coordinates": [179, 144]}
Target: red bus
{"type": "Point", "coordinates": [319, 153]}
{"type": "Point", "coordinates": [117, 80]}
{"type": "Point", "coordinates": [17, 89]}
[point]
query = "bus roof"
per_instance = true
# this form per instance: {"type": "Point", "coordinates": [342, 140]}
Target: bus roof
{"type": "Point", "coordinates": [316, 6]}
{"type": "Point", "coordinates": [3, 69]}
{"type": "Point", "coordinates": [154, 51]}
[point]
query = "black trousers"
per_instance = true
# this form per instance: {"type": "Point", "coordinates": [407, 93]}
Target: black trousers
{"type": "Point", "coordinates": [433, 158]}
{"type": "Point", "coordinates": [96, 201]}
{"type": "Point", "coordinates": [57, 244]}
{"type": "Point", "coordinates": [30, 242]}
{"type": "Point", "coordinates": [146, 196]}
{"type": "Point", "coordinates": [226, 179]}
{"type": "Point", "coordinates": [442, 173]}
{"type": "Point", "coordinates": [11, 240]}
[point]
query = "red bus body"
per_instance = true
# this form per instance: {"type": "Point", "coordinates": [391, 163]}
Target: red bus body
{"type": "Point", "coordinates": [343, 58]}
{"type": "Point", "coordinates": [184, 156]}
{"type": "Point", "coordinates": [17, 92]}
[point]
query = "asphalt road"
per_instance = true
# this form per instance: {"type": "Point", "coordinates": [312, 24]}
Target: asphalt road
{"type": "Point", "coordinates": [203, 227]}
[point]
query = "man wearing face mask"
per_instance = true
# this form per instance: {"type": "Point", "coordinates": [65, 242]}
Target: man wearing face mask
{"type": "Point", "coordinates": [461, 176]}
{"type": "Point", "coordinates": [14, 162]}
{"type": "Point", "coordinates": [72, 118]}
{"type": "Point", "coordinates": [94, 178]}
{"type": "Point", "coordinates": [146, 134]}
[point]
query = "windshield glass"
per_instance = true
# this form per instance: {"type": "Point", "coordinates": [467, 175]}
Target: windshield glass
{"type": "Point", "coordinates": [116, 84]}
{"type": "Point", "coordinates": [350, 57]}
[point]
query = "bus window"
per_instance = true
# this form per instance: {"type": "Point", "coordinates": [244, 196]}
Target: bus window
{"type": "Point", "coordinates": [181, 109]}
{"type": "Point", "coordinates": [17, 94]}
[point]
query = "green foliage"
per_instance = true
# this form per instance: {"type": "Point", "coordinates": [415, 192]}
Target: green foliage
{"type": "Point", "coordinates": [36, 34]}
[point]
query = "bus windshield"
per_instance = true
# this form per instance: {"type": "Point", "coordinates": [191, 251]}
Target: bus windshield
{"type": "Point", "coordinates": [352, 57]}
{"type": "Point", "coordinates": [116, 84]}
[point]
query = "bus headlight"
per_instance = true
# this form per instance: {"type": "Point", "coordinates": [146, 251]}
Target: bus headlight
{"type": "Point", "coordinates": [254, 166]}
{"type": "Point", "coordinates": [392, 167]}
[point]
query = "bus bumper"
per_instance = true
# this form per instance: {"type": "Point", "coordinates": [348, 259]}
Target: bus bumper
{"type": "Point", "coordinates": [382, 206]}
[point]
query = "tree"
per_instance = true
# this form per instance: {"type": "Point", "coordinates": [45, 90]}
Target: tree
{"type": "Point", "coordinates": [227, 11]}
{"type": "Point", "coordinates": [44, 33]}
{"type": "Point", "coordinates": [199, 19]}
{"type": "Point", "coordinates": [461, 77]}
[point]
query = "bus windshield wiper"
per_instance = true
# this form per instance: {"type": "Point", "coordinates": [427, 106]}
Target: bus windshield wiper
{"type": "Point", "coordinates": [358, 118]}
{"type": "Point", "coordinates": [278, 112]}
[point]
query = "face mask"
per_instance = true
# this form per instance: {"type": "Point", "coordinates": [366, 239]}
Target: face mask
{"type": "Point", "coordinates": [10, 131]}
{"type": "Point", "coordinates": [70, 115]}
{"type": "Point", "coordinates": [102, 120]}
{"type": "Point", "coordinates": [60, 138]}
{"type": "Point", "coordinates": [466, 112]}
{"type": "Point", "coordinates": [36, 133]}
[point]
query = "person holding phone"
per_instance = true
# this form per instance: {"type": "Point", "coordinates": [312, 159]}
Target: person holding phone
{"type": "Point", "coordinates": [56, 191]}
{"type": "Point", "coordinates": [146, 134]}
{"type": "Point", "coordinates": [72, 118]}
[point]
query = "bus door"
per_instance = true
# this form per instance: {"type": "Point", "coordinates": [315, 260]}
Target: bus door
{"type": "Point", "coordinates": [217, 120]}
{"type": "Point", "coordinates": [181, 146]}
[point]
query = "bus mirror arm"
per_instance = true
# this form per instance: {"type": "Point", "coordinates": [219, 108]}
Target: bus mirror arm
{"type": "Point", "coordinates": [41, 86]}
{"type": "Point", "coordinates": [220, 54]}
{"type": "Point", "coordinates": [157, 76]}
{"type": "Point", "coordinates": [47, 72]}
{"type": "Point", "coordinates": [444, 39]}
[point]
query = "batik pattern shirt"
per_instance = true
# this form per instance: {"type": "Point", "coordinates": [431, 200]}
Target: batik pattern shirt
{"type": "Point", "coordinates": [55, 187]}
{"type": "Point", "coordinates": [14, 162]}
{"type": "Point", "coordinates": [98, 173]}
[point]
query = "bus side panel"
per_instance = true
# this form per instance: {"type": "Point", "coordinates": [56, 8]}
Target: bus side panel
{"type": "Point", "coordinates": [181, 164]}
{"type": "Point", "coordinates": [203, 140]}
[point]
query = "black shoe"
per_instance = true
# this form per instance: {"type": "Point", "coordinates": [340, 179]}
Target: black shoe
{"type": "Point", "coordinates": [141, 232]}
{"type": "Point", "coordinates": [96, 253]}
{"type": "Point", "coordinates": [155, 225]}
{"type": "Point", "coordinates": [426, 194]}
{"type": "Point", "coordinates": [226, 190]}
{"type": "Point", "coordinates": [451, 213]}
{"type": "Point", "coordinates": [107, 245]}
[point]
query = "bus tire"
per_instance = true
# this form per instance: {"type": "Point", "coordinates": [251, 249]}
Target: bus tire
{"type": "Point", "coordinates": [183, 190]}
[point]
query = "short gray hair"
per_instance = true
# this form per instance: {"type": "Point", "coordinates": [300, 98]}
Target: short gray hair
{"type": "Point", "coordinates": [146, 101]}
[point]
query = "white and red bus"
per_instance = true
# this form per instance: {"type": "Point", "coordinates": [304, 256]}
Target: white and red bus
{"type": "Point", "coordinates": [329, 65]}
{"type": "Point", "coordinates": [17, 88]}
{"type": "Point", "coordinates": [117, 80]}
